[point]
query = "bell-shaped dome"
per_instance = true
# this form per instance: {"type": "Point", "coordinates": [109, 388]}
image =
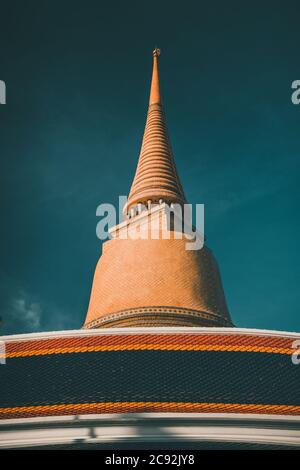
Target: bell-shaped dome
{"type": "Point", "coordinates": [156, 283]}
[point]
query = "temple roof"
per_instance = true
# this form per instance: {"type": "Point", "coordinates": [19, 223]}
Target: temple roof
{"type": "Point", "coordinates": [156, 175]}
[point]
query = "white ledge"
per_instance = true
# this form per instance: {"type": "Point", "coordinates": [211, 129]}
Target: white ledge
{"type": "Point", "coordinates": [150, 331]}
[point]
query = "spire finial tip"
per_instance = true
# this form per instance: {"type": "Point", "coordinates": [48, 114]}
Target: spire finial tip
{"type": "Point", "coordinates": [156, 52]}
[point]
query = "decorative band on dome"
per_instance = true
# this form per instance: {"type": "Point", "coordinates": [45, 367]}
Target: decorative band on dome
{"type": "Point", "coordinates": [158, 315]}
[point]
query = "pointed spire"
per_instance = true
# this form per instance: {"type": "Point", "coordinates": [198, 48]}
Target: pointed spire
{"type": "Point", "coordinates": [155, 90]}
{"type": "Point", "coordinates": [156, 176]}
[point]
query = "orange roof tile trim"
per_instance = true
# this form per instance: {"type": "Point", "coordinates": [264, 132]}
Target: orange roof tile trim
{"type": "Point", "coordinates": [165, 342]}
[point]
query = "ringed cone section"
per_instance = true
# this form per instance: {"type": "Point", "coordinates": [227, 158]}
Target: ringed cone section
{"type": "Point", "coordinates": [156, 176]}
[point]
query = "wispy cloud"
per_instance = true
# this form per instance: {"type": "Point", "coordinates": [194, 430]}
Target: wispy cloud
{"type": "Point", "coordinates": [27, 313]}
{"type": "Point", "coordinates": [22, 310]}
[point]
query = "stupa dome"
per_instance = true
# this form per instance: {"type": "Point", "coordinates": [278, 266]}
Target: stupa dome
{"type": "Point", "coordinates": [155, 281]}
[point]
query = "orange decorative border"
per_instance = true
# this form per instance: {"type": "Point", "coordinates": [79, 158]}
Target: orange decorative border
{"type": "Point", "coordinates": [168, 342]}
{"type": "Point", "coordinates": [141, 407]}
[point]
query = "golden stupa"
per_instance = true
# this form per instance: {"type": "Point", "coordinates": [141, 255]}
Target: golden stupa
{"type": "Point", "coordinates": [155, 281]}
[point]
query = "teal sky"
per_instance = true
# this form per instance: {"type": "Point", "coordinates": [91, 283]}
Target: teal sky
{"type": "Point", "coordinates": [77, 77]}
